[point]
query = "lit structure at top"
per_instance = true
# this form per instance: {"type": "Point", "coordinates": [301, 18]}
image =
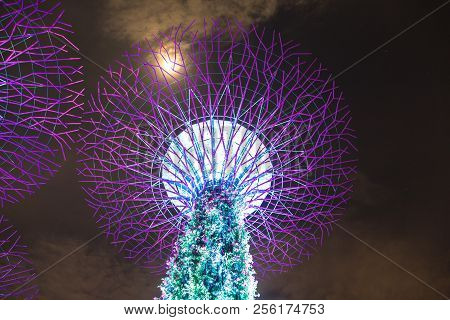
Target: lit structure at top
{"type": "Point", "coordinates": [231, 164]}
{"type": "Point", "coordinates": [39, 95]}
{"type": "Point", "coordinates": [16, 271]}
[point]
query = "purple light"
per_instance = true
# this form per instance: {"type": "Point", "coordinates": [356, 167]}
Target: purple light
{"type": "Point", "coordinates": [39, 95]}
{"type": "Point", "coordinates": [222, 76]}
{"type": "Point", "coordinates": [15, 268]}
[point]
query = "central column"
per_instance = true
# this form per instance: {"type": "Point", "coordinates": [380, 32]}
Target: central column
{"type": "Point", "coordinates": [211, 259]}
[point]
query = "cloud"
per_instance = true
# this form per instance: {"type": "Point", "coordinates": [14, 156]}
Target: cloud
{"type": "Point", "coordinates": [95, 272]}
{"type": "Point", "coordinates": [140, 19]}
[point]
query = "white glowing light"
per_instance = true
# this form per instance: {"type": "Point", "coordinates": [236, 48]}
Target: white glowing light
{"type": "Point", "coordinates": [169, 61]}
{"type": "Point", "coordinates": [216, 152]}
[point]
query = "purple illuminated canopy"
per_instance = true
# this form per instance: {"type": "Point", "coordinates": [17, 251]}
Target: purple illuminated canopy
{"type": "Point", "coordinates": [224, 108]}
{"type": "Point", "coordinates": [15, 268]}
{"type": "Point", "coordinates": [39, 95]}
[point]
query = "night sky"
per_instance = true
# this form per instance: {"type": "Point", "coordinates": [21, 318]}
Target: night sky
{"type": "Point", "coordinates": [399, 99]}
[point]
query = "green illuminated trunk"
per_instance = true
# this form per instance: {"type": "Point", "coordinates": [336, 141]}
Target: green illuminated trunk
{"type": "Point", "coordinates": [212, 259]}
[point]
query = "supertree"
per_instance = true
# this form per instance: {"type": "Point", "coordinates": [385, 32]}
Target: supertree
{"type": "Point", "coordinates": [224, 152]}
{"type": "Point", "coordinates": [15, 268]}
{"type": "Point", "coordinates": [39, 95]}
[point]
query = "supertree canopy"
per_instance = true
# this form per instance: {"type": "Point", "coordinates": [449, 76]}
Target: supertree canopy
{"type": "Point", "coordinates": [39, 95]}
{"type": "Point", "coordinates": [15, 268]}
{"type": "Point", "coordinates": [226, 153]}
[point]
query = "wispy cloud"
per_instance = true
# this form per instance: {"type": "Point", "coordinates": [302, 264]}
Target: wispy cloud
{"type": "Point", "coordinates": [140, 19]}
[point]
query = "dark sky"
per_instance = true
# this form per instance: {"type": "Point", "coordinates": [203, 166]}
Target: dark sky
{"type": "Point", "coordinates": [399, 98]}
